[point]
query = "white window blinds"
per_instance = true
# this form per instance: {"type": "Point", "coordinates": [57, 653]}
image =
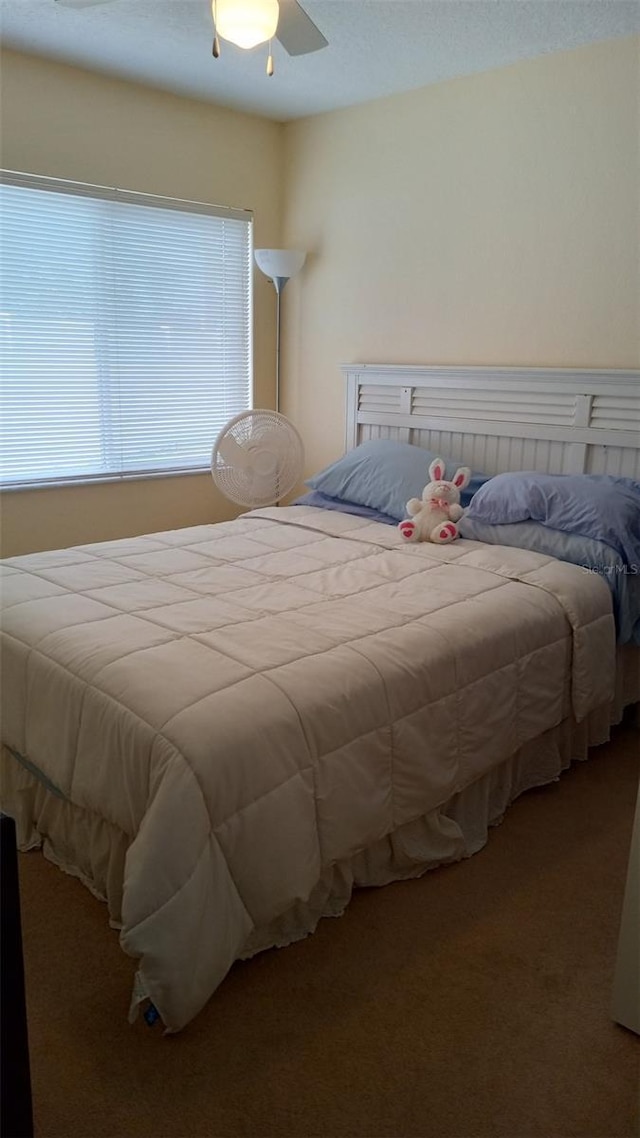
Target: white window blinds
{"type": "Point", "coordinates": [125, 325]}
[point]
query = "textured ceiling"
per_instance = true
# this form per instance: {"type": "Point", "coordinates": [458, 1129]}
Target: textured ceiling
{"type": "Point", "coordinates": [376, 47]}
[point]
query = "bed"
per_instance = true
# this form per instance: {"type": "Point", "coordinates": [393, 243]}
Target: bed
{"type": "Point", "coordinates": [223, 730]}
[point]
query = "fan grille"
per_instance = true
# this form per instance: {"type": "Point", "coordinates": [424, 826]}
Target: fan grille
{"type": "Point", "coordinates": [257, 458]}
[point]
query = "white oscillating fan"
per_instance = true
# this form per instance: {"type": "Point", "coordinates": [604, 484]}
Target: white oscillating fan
{"type": "Point", "coordinates": [257, 458]}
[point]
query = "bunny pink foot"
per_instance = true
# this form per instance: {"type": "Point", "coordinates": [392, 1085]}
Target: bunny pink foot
{"type": "Point", "coordinates": [408, 530]}
{"type": "Point", "coordinates": [444, 533]}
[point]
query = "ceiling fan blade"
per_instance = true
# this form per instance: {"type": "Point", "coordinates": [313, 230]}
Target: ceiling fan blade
{"type": "Point", "coordinates": [296, 31]}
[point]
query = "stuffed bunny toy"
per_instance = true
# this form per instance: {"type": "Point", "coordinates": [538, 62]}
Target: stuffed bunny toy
{"type": "Point", "coordinates": [434, 518]}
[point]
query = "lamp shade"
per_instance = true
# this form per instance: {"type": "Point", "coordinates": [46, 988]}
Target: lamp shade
{"type": "Point", "coordinates": [280, 263]}
{"type": "Point", "coordinates": [246, 22]}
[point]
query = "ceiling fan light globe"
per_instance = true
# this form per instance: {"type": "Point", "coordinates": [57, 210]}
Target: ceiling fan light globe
{"type": "Point", "coordinates": [246, 23]}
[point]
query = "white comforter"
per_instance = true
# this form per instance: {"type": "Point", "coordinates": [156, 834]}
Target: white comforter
{"type": "Point", "coordinates": [253, 701]}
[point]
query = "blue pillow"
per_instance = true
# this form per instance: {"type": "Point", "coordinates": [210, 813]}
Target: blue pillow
{"type": "Point", "coordinates": [383, 475]}
{"type": "Point", "coordinates": [324, 502]}
{"type": "Point", "coordinates": [599, 506]}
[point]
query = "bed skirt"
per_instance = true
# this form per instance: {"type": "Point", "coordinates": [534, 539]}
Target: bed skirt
{"type": "Point", "coordinates": [93, 850]}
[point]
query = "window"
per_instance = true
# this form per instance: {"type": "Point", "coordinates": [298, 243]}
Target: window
{"type": "Point", "coordinates": [125, 331]}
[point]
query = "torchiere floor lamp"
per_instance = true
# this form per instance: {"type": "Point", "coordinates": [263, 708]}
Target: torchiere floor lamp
{"type": "Point", "coordinates": [280, 265]}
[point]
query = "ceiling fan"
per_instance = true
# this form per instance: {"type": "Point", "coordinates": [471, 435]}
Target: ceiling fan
{"type": "Point", "coordinates": [248, 23]}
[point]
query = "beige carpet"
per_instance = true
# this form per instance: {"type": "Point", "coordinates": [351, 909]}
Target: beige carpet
{"type": "Point", "coordinates": [473, 1002]}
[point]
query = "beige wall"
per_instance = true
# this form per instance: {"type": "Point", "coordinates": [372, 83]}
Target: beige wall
{"type": "Point", "coordinates": [487, 220]}
{"type": "Point", "coordinates": [67, 123]}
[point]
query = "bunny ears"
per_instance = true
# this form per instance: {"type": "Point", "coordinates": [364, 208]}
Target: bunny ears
{"type": "Point", "coordinates": [460, 479]}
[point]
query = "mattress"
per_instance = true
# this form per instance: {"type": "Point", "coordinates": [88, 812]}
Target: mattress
{"type": "Point", "coordinates": [249, 704]}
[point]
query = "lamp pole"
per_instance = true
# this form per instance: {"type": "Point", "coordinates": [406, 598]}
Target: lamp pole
{"type": "Point", "coordinates": [279, 265]}
{"type": "Point", "coordinates": [278, 284]}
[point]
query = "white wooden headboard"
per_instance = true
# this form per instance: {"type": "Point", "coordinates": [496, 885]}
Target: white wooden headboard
{"type": "Point", "coordinates": [556, 420]}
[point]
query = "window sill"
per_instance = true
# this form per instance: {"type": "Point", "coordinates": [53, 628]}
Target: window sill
{"type": "Point", "coordinates": [67, 483]}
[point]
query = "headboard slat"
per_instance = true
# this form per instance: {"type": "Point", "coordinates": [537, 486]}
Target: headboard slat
{"type": "Point", "coordinates": [558, 420]}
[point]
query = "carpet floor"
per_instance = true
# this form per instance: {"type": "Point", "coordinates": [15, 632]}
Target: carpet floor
{"type": "Point", "coordinates": [473, 1002]}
